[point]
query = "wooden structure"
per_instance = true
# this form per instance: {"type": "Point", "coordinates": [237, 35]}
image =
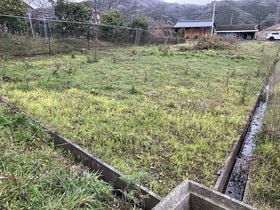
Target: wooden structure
{"type": "Point", "coordinates": [195, 29]}
{"type": "Point", "coordinates": [242, 32]}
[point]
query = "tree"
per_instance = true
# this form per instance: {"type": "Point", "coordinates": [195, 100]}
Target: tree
{"type": "Point", "coordinates": [71, 11]}
{"type": "Point", "coordinates": [104, 5]}
{"type": "Point", "coordinates": [12, 7]}
{"type": "Point", "coordinates": [75, 12]}
{"type": "Point", "coordinates": [139, 23]}
{"type": "Point", "coordinates": [110, 19]}
{"type": "Point", "coordinates": [100, 6]}
{"type": "Point", "coordinates": [15, 8]}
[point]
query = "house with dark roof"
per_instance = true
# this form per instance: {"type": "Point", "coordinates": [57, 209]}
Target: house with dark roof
{"type": "Point", "coordinates": [194, 29]}
{"type": "Point", "coordinates": [245, 31]}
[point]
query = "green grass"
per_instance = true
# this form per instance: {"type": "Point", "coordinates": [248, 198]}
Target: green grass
{"type": "Point", "coordinates": [35, 175]}
{"type": "Point", "coordinates": [171, 114]}
{"type": "Point", "coordinates": [265, 179]}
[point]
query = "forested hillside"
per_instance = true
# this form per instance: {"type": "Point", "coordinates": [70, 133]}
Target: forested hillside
{"type": "Point", "coordinates": [261, 12]}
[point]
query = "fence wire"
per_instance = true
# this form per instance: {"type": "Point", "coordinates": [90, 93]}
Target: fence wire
{"type": "Point", "coordinates": [31, 36]}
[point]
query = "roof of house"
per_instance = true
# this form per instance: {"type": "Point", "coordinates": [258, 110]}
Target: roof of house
{"type": "Point", "coordinates": [273, 28]}
{"type": "Point", "coordinates": [27, 5]}
{"type": "Point", "coordinates": [237, 28]}
{"type": "Point", "coordinates": [194, 24]}
{"type": "Point", "coordinates": [37, 4]}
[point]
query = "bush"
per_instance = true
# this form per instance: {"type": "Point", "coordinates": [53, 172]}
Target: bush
{"type": "Point", "coordinates": [214, 43]}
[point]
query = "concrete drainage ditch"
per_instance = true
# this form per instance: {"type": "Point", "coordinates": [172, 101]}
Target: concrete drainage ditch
{"type": "Point", "coordinates": [239, 175]}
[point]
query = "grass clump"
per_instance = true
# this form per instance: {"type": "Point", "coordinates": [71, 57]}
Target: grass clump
{"type": "Point", "coordinates": [92, 58]}
{"type": "Point", "coordinates": [33, 175]}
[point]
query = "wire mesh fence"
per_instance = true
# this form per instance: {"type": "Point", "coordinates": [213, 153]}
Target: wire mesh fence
{"type": "Point", "coordinates": [32, 36]}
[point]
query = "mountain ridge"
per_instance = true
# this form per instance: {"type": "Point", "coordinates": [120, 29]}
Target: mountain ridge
{"type": "Point", "coordinates": [160, 13]}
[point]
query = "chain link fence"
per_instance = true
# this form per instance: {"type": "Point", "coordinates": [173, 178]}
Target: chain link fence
{"type": "Point", "coordinates": [23, 36]}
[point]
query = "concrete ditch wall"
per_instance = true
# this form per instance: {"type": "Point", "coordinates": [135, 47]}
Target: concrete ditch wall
{"type": "Point", "coordinates": [107, 172]}
{"type": "Point", "coordinates": [193, 196]}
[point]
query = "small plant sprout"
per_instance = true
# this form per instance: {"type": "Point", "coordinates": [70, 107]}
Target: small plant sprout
{"type": "Point", "coordinates": [114, 59]}
{"type": "Point", "coordinates": [244, 89]}
{"type": "Point", "coordinates": [227, 81]}
{"type": "Point", "coordinates": [132, 90]}
{"type": "Point", "coordinates": [187, 69]}
{"type": "Point", "coordinates": [132, 191]}
{"type": "Point", "coordinates": [145, 76]}
{"type": "Point", "coordinates": [92, 58]}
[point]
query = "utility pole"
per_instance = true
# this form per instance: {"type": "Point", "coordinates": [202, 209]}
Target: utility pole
{"type": "Point", "coordinates": [213, 18]}
{"type": "Point", "coordinates": [231, 19]}
{"type": "Point", "coordinates": [277, 15]}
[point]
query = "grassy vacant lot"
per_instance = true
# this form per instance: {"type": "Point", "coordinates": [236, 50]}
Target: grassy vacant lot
{"type": "Point", "coordinates": [33, 175]}
{"type": "Point", "coordinates": [265, 179]}
{"type": "Point", "coordinates": [171, 113]}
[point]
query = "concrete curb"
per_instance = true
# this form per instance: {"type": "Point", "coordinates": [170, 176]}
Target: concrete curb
{"type": "Point", "coordinates": [246, 196]}
{"type": "Point", "coordinates": [107, 172]}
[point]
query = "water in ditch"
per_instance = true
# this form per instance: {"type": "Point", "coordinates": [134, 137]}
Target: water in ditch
{"type": "Point", "coordinates": [239, 175]}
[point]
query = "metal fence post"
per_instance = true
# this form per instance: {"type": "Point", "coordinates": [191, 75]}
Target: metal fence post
{"type": "Point", "coordinates": [49, 37]}
{"type": "Point", "coordinates": [137, 36]}
{"type": "Point", "coordinates": [31, 25]}
{"type": "Point", "coordinates": [89, 36]}
{"type": "Point", "coordinates": [45, 28]}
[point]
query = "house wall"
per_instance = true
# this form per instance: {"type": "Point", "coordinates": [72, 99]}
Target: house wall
{"type": "Point", "coordinates": [196, 33]}
{"type": "Point", "coordinates": [238, 35]}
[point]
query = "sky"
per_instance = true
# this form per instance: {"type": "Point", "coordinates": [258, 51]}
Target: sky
{"type": "Point", "coordinates": [200, 2]}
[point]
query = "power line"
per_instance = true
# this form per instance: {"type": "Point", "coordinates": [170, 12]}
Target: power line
{"type": "Point", "coordinates": [68, 21]}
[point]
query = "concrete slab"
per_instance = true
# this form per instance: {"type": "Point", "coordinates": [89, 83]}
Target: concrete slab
{"type": "Point", "coordinates": [190, 195]}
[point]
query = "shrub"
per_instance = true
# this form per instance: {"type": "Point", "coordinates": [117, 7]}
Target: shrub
{"type": "Point", "coordinates": [214, 42]}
